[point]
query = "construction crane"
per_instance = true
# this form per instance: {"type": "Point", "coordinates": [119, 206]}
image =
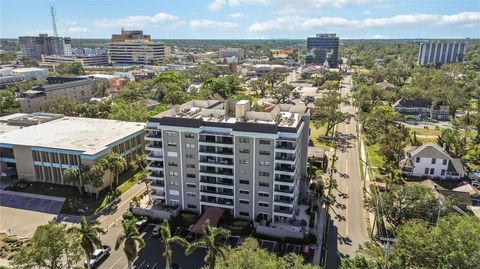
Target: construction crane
{"type": "Point", "coordinates": [54, 23]}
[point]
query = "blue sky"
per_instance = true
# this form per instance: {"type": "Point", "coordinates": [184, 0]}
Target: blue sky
{"type": "Point", "coordinates": [240, 19]}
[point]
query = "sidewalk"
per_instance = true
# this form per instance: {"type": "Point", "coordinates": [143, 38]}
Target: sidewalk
{"type": "Point", "coordinates": [321, 224]}
{"type": "Point", "coordinates": [363, 156]}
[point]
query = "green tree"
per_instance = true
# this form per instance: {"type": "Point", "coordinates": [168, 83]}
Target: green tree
{"type": "Point", "coordinates": [213, 240]}
{"type": "Point", "coordinates": [251, 255]}
{"type": "Point", "coordinates": [377, 121]}
{"type": "Point", "coordinates": [116, 164]}
{"type": "Point", "coordinates": [8, 103]}
{"type": "Point", "coordinates": [49, 247]}
{"type": "Point", "coordinates": [167, 240]}
{"type": "Point", "coordinates": [71, 68]}
{"type": "Point", "coordinates": [357, 262]}
{"type": "Point", "coordinates": [175, 98]}
{"type": "Point", "coordinates": [131, 240]}
{"type": "Point", "coordinates": [89, 232]}
{"type": "Point", "coordinates": [331, 85]}
{"type": "Point", "coordinates": [94, 177]}
{"type": "Point", "coordinates": [134, 112]}
{"type": "Point", "coordinates": [328, 112]}
{"type": "Point", "coordinates": [72, 175]}
{"type": "Point", "coordinates": [283, 92]}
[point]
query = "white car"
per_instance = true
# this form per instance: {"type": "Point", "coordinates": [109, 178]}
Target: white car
{"type": "Point", "coordinates": [98, 256]}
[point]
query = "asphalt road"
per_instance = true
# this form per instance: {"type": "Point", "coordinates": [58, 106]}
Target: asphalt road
{"type": "Point", "coordinates": [348, 228]}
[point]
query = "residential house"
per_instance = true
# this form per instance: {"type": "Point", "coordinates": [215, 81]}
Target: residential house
{"type": "Point", "coordinates": [421, 109]}
{"type": "Point", "coordinates": [432, 161]}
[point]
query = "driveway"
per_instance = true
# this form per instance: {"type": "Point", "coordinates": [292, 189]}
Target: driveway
{"type": "Point", "coordinates": [22, 213]}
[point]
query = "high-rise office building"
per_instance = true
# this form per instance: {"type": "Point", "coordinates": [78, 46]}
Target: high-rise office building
{"type": "Point", "coordinates": [322, 49]}
{"type": "Point", "coordinates": [222, 154]}
{"type": "Point", "coordinates": [33, 47]}
{"type": "Point", "coordinates": [133, 47]}
{"type": "Point", "coordinates": [441, 52]}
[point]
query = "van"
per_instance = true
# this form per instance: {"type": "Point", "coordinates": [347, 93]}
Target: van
{"type": "Point", "coordinates": [156, 230]}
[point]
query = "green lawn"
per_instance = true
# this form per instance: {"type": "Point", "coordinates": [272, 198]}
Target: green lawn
{"type": "Point", "coordinates": [375, 161]}
{"type": "Point", "coordinates": [316, 133]}
{"type": "Point", "coordinates": [426, 132]}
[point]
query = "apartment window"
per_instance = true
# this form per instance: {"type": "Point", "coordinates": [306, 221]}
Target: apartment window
{"type": "Point", "coordinates": [189, 165]}
{"type": "Point", "coordinates": [443, 172]}
{"type": "Point", "coordinates": [189, 156]}
{"type": "Point", "coordinates": [434, 160]}
{"type": "Point", "coordinates": [263, 174]}
{"type": "Point", "coordinates": [174, 192]}
{"type": "Point", "coordinates": [262, 163]}
{"type": "Point", "coordinates": [426, 171]}
{"type": "Point", "coordinates": [171, 144]}
{"type": "Point", "coordinates": [172, 154]}
{"type": "Point", "coordinates": [264, 152]}
{"type": "Point", "coordinates": [264, 142]}
{"type": "Point", "coordinates": [263, 184]}
{"type": "Point", "coordinates": [244, 150]}
{"type": "Point", "coordinates": [173, 173]}
{"type": "Point", "coordinates": [191, 176]}
{"type": "Point", "coordinates": [191, 194]}
{"type": "Point", "coordinates": [244, 140]}
{"type": "Point", "coordinates": [172, 164]}
{"type": "Point", "coordinates": [244, 191]}
{"type": "Point", "coordinates": [190, 146]}
{"type": "Point", "coordinates": [417, 160]}
{"type": "Point", "coordinates": [243, 172]}
{"type": "Point", "coordinates": [244, 161]}
{"type": "Point", "coordinates": [444, 162]}
{"type": "Point", "coordinates": [432, 171]}
{"type": "Point", "coordinates": [263, 194]}
{"type": "Point", "coordinates": [242, 213]}
{"type": "Point", "coordinates": [262, 204]}
{"type": "Point", "coordinates": [245, 202]}
{"type": "Point", "coordinates": [246, 182]}
{"type": "Point", "coordinates": [171, 134]}
{"type": "Point", "coordinates": [189, 136]}
{"type": "Point", "coordinates": [191, 185]}
{"type": "Point", "coordinates": [191, 206]}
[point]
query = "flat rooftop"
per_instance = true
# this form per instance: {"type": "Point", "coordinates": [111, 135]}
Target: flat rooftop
{"type": "Point", "coordinates": [86, 135]}
{"type": "Point", "coordinates": [232, 111]}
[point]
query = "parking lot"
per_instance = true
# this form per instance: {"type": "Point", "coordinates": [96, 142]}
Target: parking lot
{"type": "Point", "coordinates": [22, 213]}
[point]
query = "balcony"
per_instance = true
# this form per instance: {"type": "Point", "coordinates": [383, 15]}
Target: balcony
{"type": "Point", "coordinates": [155, 166]}
{"type": "Point", "coordinates": [288, 202]}
{"type": "Point", "coordinates": [155, 176]}
{"type": "Point", "coordinates": [154, 146]}
{"type": "Point", "coordinates": [284, 191]}
{"type": "Point", "coordinates": [283, 212]}
{"type": "Point", "coordinates": [216, 171]}
{"type": "Point", "coordinates": [157, 194]}
{"type": "Point", "coordinates": [285, 168]}
{"type": "Point", "coordinates": [155, 157]}
{"type": "Point", "coordinates": [211, 139]}
{"type": "Point", "coordinates": [286, 145]}
{"type": "Point", "coordinates": [218, 192]}
{"type": "Point", "coordinates": [217, 202]}
{"type": "Point", "coordinates": [216, 160]}
{"type": "Point", "coordinates": [153, 136]}
{"type": "Point", "coordinates": [285, 157]}
{"type": "Point", "coordinates": [216, 150]}
{"type": "Point", "coordinates": [157, 185]}
{"type": "Point", "coordinates": [285, 180]}
{"type": "Point", "coordinates": [216, 181]}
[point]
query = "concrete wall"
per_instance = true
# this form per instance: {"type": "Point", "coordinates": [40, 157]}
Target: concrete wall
{"type": "Point", "coordinates": [24, 161]}
{"type": "Point", "coordinates": [279, 233]}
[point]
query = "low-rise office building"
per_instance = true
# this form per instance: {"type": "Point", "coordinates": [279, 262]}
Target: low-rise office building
{"type": "Point", "coordinates": [78, 88]}
{"type": "Point", "coordinates": [38, 147]}
{"type": "Point", "coordinates": [222, 154]}
{"type": "Point", "coordinates": [133, 47]}
{"type": "Point", "coordinates": [52, 61]}
{"type": "Point", "coordinates": [233, 52]}
{"type": "Point", "coordinates": [10, 74]}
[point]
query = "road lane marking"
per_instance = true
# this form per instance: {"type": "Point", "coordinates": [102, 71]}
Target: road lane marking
{"type": "Point", "coordinates": [154, 265]}
{"type": "Point", "coordinates": [346, 213]}
{"type": "Point", "coordinates": [115, 263]}
{"type": "Point", "coordinates": [141, 264]}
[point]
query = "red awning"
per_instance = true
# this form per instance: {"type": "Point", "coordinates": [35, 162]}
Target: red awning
{"type": "Point", "coordinates": [213, 214]}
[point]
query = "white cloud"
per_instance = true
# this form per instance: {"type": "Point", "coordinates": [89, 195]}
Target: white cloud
{"type": "Point", "coordinates": [238, 16]}
{"type": "Point", "coordinates": [216, 5]}
{"type": "Point", "coordinates": [212, 25]}
{"type": "Point", "coordinates": [378, 37]}
{"type": "Point", "coordinates": [367, 13]}
{"type": "Point", "coordinates": [136, 21]}
{"type": "Point", "coordinates": [296, 23]}
{"type": "Point", "coordinates": [77, 30]}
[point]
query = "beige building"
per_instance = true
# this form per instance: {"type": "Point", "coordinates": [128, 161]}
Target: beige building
{"type": "Point", "coordinates": [39, 146]}
{"type": "Point", "coordinates": [133, 47]}
{"type": "Point", "coordinates": [78, 88]}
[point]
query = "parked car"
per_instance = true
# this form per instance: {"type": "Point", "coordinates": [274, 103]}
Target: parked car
{"type": "Point", "coordinates": [156, 230]}
{"type": "Point", "coordinates": [98, 256]}
{"type": "Point", "coordinates": [141, 224]}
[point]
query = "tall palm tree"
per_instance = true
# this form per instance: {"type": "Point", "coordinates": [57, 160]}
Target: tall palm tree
{"type": "Point", "coordinates": [167, 239]}
{"type": "Point", "coordinates": [117, 164]}
{"type": "Point", "coordinates": [89, 232]}
{"type": "Point", "coordinates": [131, 239]}
{"type": "Point", "coordinates": [72, 175]}
{"type": "Point", "coordinates": [140, 162]}
{"type": "Point", "coordinates": [213, 240]}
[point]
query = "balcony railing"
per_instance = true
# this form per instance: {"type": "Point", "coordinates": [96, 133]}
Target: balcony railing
{"type": "Point", "coordinates": [224, 192]}
{"type": "Point", "coordinates": [285, 201]}
{"type": "Point", "coordinates": [216, 161]}
{"type": "Point", "coordinates": [220, 181]}
{"type": "Point", "coordinates": [154, 134]}
{"type": "Point", "coordinates": [222, 151]}
{"type": "Point", "coordinates": [283, 211]}
{"type": "Point", "coordinates": [155, 145]}
{"type": "Point", "coordinates": [154, 183]}
{"type": "Point", "coordinates": [285, 157]}
{"type": "Point", "coordinates": [220, 201]}
{"type": "Point", "coordinates": [216, 172]}
{"type": "Point", "coordinates": [285, 168]}
{"type": "Point", "coordinates": [286, 146]}
{"type": "Point", "coordinates": [284, 190]}
{"type": "Point", "coordinates": [287, 179]}
{"type": "Point", "coordinates": [216, 140]}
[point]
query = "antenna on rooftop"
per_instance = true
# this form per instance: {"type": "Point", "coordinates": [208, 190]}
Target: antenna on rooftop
{"type": "Point", "coordinates": [54, 23]}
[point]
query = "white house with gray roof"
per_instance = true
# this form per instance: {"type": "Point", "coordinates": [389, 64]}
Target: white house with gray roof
{"type": "Point", "coordinates": [432, 161]}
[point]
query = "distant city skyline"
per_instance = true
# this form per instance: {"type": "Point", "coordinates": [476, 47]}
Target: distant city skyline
{"type": "Point", "coordinates": [245, 19]}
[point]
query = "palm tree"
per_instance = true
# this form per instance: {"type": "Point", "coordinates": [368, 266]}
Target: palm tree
{"type": "Point", "coordinates": [167, 239]}
{"type": "Point", "coordinates": [117, 164]}
{"type": "Point", "coordinates": [213, 240]}
{"type": "Point", "coordinates": [72, 175]}
{"type": "Point", "coordinates": [140, 161]}
{"type": "Point", "coordinates": [131, 239]}
{"type": "Point", "coordinates": [89, 232]}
